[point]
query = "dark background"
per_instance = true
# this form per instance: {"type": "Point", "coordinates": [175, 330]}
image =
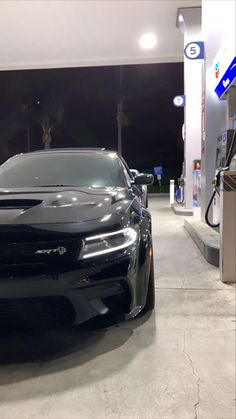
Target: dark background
{"type": "Point", "coordinates": [89, 97]}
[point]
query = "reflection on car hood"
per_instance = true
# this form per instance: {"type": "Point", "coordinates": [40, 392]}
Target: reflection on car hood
{"type": "Point", "coordinates": [62, 205]}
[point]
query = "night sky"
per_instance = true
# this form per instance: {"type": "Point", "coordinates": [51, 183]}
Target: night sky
{"type": "Point", "coordinates": [153, 136]}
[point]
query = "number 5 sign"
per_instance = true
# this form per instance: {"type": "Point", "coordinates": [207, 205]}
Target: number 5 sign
{"type": "Point", "coordinates": [194, 50]}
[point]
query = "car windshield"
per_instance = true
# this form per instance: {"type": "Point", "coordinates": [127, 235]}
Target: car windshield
{"type": "Point", "coordinates": [82, 169]}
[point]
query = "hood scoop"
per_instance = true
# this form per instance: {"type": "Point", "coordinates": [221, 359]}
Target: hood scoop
{"type": "Point", "coordinates": [24, 204]}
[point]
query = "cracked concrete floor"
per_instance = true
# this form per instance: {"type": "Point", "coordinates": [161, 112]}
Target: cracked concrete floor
{"type": "Point", "coordinates": [178, 363]}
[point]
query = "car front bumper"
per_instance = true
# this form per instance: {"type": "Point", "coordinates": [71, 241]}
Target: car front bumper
{"type": "Point", "coordinates": [81, 294]}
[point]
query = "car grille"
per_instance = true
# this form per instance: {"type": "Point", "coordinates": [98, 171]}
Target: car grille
{"type": "Point", "coordinates": [42, 252]}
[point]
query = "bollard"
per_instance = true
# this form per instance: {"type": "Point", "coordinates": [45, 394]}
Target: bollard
{"type": "Point", "coordinates": [172, 192]}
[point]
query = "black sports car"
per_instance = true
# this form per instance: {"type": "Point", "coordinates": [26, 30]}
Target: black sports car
{"type": "Point", "coordinates": [75, 238]}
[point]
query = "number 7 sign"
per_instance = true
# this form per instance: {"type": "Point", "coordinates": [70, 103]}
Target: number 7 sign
{"type": "Point", "coordinates": [194, 50]}
{"type": "Point", "coordinates": [179, 101]}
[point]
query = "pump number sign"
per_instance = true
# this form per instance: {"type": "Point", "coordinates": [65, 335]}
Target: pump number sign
{"type": "Point", "coordinates": [179, 101]}
{"type": "Point", "coordinates": [194, 50]}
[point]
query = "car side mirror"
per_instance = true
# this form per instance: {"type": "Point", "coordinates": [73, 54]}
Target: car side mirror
{"type": "Point", "coordinates": [144, 179]}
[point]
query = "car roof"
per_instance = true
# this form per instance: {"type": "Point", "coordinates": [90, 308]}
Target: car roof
{"type": "Point", "coordinates": [71, 150]}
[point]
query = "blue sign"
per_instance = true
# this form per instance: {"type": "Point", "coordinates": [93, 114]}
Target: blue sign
{"type": "Point", "coordinates": [158, 171]}
{"type": "Point", "coordinates": [179, 101]}
{"type": "Point", "coordinates": [194, 50]}
{"type": "Point", "coordinates": [227, 79]}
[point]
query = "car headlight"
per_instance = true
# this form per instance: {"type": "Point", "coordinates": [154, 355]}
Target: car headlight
{"type": "Point", "coordinates": [108, 242]}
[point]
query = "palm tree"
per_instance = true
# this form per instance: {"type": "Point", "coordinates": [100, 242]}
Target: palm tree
{"type": "Point", "coordinates": [27, 111]}
{"type": "Point", "coordinates": [122, 118]}
{"type": "Point", "coordinates": [50, 113]}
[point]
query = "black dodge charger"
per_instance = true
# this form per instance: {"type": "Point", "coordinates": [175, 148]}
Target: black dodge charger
{"type": "Point", "coordinates": [75, 238]}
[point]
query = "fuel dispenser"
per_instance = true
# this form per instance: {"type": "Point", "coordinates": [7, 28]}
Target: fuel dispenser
{"type": "Point", "coordinates": [225, 152]}
{"type": "Point", "coordinates": [196, 183]}
{"type": "Point", "coordinates": [179, 192]}
{"type": "Point", "coordinates": [179, 188]}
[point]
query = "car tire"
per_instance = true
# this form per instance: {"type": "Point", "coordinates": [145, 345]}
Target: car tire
{"type": "Point", "coordinates": [150, 301]}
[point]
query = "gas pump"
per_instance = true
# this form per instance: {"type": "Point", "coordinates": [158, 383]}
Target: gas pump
{"type": "Point", "coordinates": [196, 183]}
{"type": "Point", "coordinates": [179, 188]}
{"type": "Point", "coordinates": [225, 152]}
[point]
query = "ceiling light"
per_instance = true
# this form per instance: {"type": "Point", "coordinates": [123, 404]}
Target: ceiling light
{"type": "Point", "coordinates": [148, 41]}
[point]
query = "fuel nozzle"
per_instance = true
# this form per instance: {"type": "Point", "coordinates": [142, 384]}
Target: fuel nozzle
{"type": "Point", "coordinates": [216, 179]}
{"type": "Point", "coordinates": [180, 182]}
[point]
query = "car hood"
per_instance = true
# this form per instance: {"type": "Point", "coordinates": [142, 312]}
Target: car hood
{"type": "Point", "coordinates": [62, 205]}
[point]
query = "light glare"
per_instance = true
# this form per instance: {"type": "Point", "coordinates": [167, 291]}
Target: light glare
{"type": "Point", "coordinates": [148, 41]}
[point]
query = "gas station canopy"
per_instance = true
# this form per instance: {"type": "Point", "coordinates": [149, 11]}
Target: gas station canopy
{"type": "Point", "coordinates": [65, 33]}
